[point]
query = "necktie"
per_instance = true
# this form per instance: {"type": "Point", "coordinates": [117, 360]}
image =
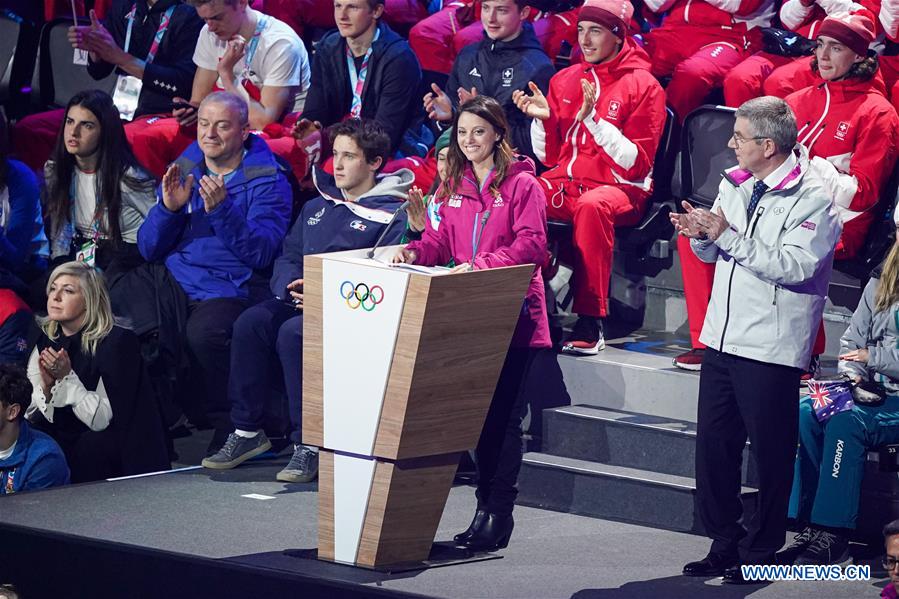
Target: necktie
{"type": "Point", "coordinates": [758, 190]}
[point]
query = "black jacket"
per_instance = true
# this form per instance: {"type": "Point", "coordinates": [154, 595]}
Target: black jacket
{"type": "Point", "coordinates": [171, 73]}
{"type": "Point", "coordinates": [497, 69]}
{"type": "Point", "coordinates": [135, 437]}
{"type": "Point", "coordinates": [391, 93]}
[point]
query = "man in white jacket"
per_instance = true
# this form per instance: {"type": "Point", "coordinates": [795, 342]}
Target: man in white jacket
{"type": "Point", "coordinates": [771, 234]}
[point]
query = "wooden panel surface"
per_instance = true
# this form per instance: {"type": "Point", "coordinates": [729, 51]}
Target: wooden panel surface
{"type": "Point", "coordinates": [438, 392]}
{"type": "Point", "coordinates": [313, 355]}
{"type": "Point", "coordinates": [326, 505]}
{"type": "Point", "coordinates": [404, 509]}
{"type": "Point", "coordinates": [396, 395]}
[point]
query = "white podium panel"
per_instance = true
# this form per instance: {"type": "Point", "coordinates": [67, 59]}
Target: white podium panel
{"type": "Point", "coordinates": [361, 308]}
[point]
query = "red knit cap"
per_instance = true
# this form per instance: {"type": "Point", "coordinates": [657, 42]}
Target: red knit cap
{"type": "Point", "coordinates": [855, 30]}
{"type": "Point", "coordinates": [614, 15]}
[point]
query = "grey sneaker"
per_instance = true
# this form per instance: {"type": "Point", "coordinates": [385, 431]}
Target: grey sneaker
{"type": "Point", "coordinates": [237, 450]}
{"type": "Point", "coordinates": [303, 466]}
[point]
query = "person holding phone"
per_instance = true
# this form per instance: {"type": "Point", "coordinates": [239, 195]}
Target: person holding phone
{"type": "Point", "coordinates": [125, 43]}
{"type": "Point", "coordinates": [493, 215]}
{"type": "Point", "coordinates": [239, 50]}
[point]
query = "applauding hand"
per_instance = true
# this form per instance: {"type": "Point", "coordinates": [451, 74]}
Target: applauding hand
{"type": "Point", "coordinates": [175, 192]}
{"type": "Point", "coordinates": [535, 106]}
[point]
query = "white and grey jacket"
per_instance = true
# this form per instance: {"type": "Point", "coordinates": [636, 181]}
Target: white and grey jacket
{"type": "Point", "coordinates": [879, 333]}
{"type": "Point", "coordinates": [771, 270]}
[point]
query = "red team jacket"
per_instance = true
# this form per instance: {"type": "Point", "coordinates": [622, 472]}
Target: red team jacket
{"type": "Point", "coordinates": [806, 20]}
{"type": "Point", "coordinates": [616, 144]}
{"type": "Point", "coordinates": [851, 125]}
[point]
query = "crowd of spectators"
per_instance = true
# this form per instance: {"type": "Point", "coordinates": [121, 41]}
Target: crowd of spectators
{"type": "Point", "coordinates": [241, 136]}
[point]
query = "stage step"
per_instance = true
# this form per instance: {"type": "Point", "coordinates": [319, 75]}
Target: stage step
{"type": "Point", "coordinates": [611, 492]}
{"type": "Point", "coordinates": [632, 381]}
{"type": "Point", "coordinates": [624, 439]}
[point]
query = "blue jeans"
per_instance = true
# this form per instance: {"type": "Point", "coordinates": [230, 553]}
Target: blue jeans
{"type": "Point", "coordinates": [266, 348]}
{"type": "Point", "coordinates": [830, 462]}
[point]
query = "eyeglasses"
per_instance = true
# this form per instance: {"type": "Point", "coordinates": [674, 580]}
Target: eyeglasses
{"type": "Point", "coordinates": [739, 140]}
{"type": "Point", "coordinates": [889, 562]}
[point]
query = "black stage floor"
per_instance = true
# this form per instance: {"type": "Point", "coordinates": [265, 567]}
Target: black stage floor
{"type": "Point", "coordinates": [198, 533]}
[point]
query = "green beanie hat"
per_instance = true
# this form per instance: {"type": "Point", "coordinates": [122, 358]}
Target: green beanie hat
{"type": "Point", "coordinates": [443, 141]}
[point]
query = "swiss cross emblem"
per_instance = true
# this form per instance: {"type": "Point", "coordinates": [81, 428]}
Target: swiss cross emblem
{"type": "Point", "coordinates": [614, 106]}
{"type": "Point", "coordinates": [842, 130]}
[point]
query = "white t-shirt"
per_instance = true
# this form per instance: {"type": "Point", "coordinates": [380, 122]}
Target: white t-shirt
{"type": "Point", "coordinates": [86, 206]}
{"type": "Point", "coordinates": [280, 59]}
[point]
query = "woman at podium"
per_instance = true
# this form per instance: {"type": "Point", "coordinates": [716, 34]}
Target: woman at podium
{"type": "Point", "coordinates": [492, 214]}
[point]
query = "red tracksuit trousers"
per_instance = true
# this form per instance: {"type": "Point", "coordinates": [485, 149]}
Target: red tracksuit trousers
{"type": "Point", "coordinates": [595, 214]}
{"type": "Point", "coordinates": [696, 58]}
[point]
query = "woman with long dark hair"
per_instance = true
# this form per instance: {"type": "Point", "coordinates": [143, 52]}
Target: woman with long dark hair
{"type": "Point", "coordinates": [493, 214]}
{"type": "Point", "coordinates": [98, 195]}
{"type": "Point", "coordinates": [91, 393]}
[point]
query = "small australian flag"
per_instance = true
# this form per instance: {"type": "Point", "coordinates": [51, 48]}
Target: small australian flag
{"type": "Point", "coordinates": [829, 397]}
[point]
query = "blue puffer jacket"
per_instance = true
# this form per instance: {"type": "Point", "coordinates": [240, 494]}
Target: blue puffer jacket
{"type": "Point", "coordinates": [37, 462]}
{"type": "Point", "coordinates": [213, 255]}
{"type": "Point", "coordinates": [328, 223]}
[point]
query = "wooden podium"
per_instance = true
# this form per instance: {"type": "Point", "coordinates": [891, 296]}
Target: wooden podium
{"type": "Point", "coordinates": [399, 368]}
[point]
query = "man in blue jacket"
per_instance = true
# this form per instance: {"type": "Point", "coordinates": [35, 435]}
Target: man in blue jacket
{"type": "Point", "coordinates": [29, 459]}
{"type": "Point", "coordinates": [505, 60]}
{"type": "Point", "coordinates": [223, 213]}
{"type": "Point", "coordinates": [352, 211]}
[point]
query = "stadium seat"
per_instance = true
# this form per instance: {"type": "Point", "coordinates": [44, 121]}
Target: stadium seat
{"type": "Point", "coordinates": [704, 154]}
{"type": "Point", "coordinates": [57, 79]}
{"type": "Point", "coordinates": [10, 25]}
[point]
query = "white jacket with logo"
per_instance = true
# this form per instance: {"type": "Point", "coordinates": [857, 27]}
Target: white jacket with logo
{"type": "Point", "coordinates": [771, 270]}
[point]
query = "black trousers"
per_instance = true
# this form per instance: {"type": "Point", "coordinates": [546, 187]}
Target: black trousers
{"type": "Point", "coordinates": [740, 398]}
{"type": "Point", "coordinates": [208, 334]}
{"type": "Point", "coordinates": [498, 453]}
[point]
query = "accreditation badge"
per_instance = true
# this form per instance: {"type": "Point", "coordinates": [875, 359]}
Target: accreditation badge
{"type": "Point", "coordinates": [127, 92]}
{"type": "Point", "coordinates": [80, 57]}
{"type": "Point", "coordinates": [87, 253]}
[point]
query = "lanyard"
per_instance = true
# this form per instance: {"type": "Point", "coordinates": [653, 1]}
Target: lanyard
{"type": "Point", "coordinates": [73, 197]}
{"type": "Point", "coordinates": [163, 26]}
{"type": "Point", "coordinates": [254, 43]}
{"type": "Point", "coordinates": [357, 82]}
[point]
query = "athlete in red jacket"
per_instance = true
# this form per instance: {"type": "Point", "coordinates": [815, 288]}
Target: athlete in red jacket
{"type": "Point", "coordinates": [699, 42]}
{"type": "Point", "coordinates": [848, 127]}
{"type": "Point", "coordinates": [598, 130]}
{"type": "Point", "coordinates": [774, 75]}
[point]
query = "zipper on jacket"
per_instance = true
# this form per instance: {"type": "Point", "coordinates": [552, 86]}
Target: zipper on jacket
{"type": "Point", "coordinates": [730, 280]}
{"type": "Point", "coordinates": [476, 236]}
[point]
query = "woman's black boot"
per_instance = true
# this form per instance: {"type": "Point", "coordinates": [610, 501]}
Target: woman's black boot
{"type": "Point", "coordinates": [476, 523]}
{"type": "Point", "coordinates": [493, 534]}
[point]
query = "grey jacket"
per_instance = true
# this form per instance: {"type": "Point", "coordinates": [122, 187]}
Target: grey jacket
{"type": "Point", "coordinates": [771, 271]}
{"type": "Point", "coordinates": [879, 332]}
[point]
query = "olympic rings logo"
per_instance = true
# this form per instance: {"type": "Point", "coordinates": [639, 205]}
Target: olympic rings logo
{"type": "Point", "coordinates": [360, 294]}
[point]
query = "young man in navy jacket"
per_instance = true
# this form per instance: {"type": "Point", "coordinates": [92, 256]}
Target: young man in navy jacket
{"type": "Point", "coordinates": [505, 60]}
{"type": "Point", "coordinates": [352, 211]}
{"type": "Point", "coordinates": [29, 459]}
{"type": "Point", "coordinates": [223, 212]}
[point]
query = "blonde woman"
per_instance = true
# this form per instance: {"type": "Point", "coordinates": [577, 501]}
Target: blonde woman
{"type": "Point", "coordinates": [90, 393]}
{"type": "Point", "coordinates": [831, 456]}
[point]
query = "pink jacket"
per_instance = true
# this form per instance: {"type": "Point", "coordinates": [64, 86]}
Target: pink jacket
{"type": "Point", "coordinates": [511, 229]}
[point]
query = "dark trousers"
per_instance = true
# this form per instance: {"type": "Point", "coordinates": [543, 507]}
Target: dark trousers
{"type": "Point", "coordinates": [208, 333]}
{"type": "Point", "coordinates": [498, 453]}
{"type": "Point", "coordinates": [739, 397]}
{"type": "Point", "coordinates": [267, 355]}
